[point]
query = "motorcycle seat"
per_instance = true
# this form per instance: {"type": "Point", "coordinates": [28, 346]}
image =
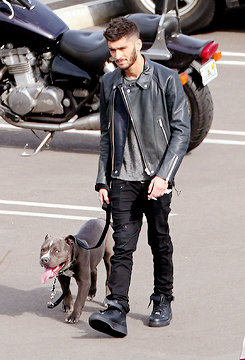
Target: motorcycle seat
{"type": "Point", "coordinates": [87, 49]}
{"type": "Point", "coordinates": [148, 25]}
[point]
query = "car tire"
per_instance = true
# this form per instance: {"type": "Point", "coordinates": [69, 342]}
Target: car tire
{"type": "Point", "coordinates": [194, 14]}
{"type": "Point", "coordinates": [200, 106]}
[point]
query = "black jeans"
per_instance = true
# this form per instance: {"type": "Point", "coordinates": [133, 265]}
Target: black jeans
{"type": "Point", "coordinates": [129, 201]}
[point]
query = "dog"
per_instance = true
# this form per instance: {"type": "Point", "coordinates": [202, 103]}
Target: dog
{"type": "Point", "coordinates": [63, 257]}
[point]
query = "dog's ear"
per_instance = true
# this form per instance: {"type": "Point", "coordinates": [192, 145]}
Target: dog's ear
{"type": "Point", "coordinates": [70, 239]}
{"type": "Point", "coordinates": [46, 237]}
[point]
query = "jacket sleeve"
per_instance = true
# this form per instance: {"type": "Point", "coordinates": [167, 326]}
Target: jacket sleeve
{"type": "Point", "coordinates": [104, 168]}
{"type": "Point", "coordinates": [179, 127]}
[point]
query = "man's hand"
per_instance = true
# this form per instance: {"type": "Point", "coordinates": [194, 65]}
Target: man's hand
{"type": "Point", "coordinates": [103, 196]}
{"type": "Point", "coordinates": [157, 187]}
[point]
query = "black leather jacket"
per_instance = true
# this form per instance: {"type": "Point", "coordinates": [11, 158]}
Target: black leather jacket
{"type": "Point", "coordinates": [159, 116]}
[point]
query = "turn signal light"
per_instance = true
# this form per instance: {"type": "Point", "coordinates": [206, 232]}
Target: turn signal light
{"type": "Point", "coordinates": [183, 78]}
{"type": "Point", "coordinates": [217, 55]}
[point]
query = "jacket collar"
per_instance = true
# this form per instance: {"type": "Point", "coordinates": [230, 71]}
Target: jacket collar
{"type": "Point", "coordinates": [143, 80]}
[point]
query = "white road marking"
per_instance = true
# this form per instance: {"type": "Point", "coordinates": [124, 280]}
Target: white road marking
{"type": "Point", "coordinates": [52, 216]}
{"type": "Point", "coordinates": [227, 132]}
{"type": "Point", "coordinates": [235, 54]}
{"type": "Point", "coordinates": [46, 215]}
{"type": "Point", "coordinates": [223, 142]}
{"type": "Point", "coordinates": [43, 215]}
{"type": "Point", "coordinates": [47, 205]}
{"type": "Point", "coordinates": [230, 62]}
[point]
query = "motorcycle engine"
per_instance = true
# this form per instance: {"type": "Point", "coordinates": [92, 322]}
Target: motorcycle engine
{"type": "Point", "coordinates": [30, 92]}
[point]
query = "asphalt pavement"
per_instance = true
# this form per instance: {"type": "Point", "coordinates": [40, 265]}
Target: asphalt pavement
{"type": "Point", "coordinates": [53, 192]}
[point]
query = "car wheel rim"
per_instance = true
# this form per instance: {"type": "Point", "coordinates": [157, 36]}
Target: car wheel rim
{"type": "Point", "coordinates": [184, 6]}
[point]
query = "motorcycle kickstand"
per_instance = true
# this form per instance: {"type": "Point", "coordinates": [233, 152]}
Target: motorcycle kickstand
{"type": "Point", "coordinates": [45, 141]}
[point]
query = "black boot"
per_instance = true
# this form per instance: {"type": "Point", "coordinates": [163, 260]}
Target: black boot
{"type": "Point", "coordinates": [161, 314]}
{"type": "Point", "coordinates": [111, 321]}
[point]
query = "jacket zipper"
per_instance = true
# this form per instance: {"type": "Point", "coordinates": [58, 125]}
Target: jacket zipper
{"type": "Point", "coordinates": [172, 168]}
{"type": "Point", "coordinates": [113, 131]}
{"type": "Point", "coordinates": [136, 134]}
{"type": "Point", "coordinates": [163, 130]}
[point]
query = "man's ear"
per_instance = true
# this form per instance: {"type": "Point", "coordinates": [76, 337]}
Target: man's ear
{"type": "Point", "coordinates": [138, 44]}
{"type": "Point", "coordinates": [70, 239]}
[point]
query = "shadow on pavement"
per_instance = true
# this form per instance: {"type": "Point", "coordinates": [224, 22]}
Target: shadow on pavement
{"type": "Point", "coordinates": [16, 302]}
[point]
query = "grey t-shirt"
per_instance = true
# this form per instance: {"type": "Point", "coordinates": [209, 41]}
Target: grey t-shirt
{"type": "Point", "coordinates": [133, 165]}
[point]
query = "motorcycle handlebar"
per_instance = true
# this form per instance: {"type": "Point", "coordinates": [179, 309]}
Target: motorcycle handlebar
{"type": "Point", "coordinates": [27, 4]}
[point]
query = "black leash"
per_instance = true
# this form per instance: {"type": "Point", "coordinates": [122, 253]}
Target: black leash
{"type": "Point", "coordinates": [107, 208]}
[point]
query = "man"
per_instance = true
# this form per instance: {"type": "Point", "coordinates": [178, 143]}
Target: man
{"type": "Point", "coordinates": [145, 131]}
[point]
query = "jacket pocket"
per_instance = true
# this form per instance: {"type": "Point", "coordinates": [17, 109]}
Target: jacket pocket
{"type": "Point", "coordinates": [160, 123]}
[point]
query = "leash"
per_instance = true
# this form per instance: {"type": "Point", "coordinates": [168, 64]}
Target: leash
{"type": "Point", "coordinates": [107, 208]}
{"type": "Point", "coordinates": [50, 304]}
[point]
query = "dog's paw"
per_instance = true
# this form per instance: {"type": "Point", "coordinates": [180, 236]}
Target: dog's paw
{"type": "Point", "coordinates": [67, 308]}
{"type": "Point", "coordinates": [91, 294]}
{"type": "Point", "coordinates": [72, 319]}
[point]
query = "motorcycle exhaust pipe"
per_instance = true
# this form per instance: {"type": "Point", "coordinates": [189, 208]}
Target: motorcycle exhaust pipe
{"type": "Point", "coordinates": [89, 122]}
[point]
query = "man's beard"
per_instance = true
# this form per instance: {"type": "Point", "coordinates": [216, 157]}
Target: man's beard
{"type": "Point", "coordinates": [131, 61]}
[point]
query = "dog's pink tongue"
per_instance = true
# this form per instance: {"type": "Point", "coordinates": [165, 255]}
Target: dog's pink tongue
{"type": "Point", "coordinates": [46, 275]}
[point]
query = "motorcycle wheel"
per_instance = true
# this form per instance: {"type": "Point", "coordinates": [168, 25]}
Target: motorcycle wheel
{"type": "Point", "coordinates": [200, 107]}
{"type": "Point", "coordinates": [194, 14]}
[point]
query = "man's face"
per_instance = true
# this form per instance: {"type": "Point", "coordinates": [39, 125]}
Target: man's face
{"type": "Point", "coordinates": [124, 51]}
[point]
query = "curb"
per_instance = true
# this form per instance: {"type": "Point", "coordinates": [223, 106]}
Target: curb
{"type": "Point", "coordinates": [91, 13]}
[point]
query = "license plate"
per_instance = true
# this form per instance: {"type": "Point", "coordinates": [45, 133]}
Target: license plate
{"type": "Point", "coordinates": [208, 72]}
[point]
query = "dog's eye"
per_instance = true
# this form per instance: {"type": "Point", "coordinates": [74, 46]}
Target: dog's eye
{"type": "Point", "coordinates": [56, 251]}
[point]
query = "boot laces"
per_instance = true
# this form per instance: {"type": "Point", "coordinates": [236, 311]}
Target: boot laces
{"type": "Point", "coordinates": [160, 303]}
{"type": "Point", "coordinates": [159, 307]}
{"type": "Point", "coordinates": [110, 308]}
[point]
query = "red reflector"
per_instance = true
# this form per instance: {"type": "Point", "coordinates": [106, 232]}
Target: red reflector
{"type": "Point", "coordinates": [209, 50]}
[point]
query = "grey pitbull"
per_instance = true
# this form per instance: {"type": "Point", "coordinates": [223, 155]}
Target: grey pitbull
{"type": "Point", "coordinates": [62, 256]}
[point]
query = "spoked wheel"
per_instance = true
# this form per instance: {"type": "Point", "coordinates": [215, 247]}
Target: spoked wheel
{"type": "Point", "coordinates": [194, 14]}
{"type": "Point", "coordinates": [200, 106]}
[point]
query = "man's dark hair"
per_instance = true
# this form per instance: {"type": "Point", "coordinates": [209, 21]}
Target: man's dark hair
{"type": "Point", "coordinates": [120, 27]}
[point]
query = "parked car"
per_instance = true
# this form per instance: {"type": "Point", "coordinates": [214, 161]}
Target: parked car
{"type": "Point", "coordinates": [194, 14]}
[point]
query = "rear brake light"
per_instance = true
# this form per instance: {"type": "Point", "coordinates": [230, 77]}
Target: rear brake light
{"type": "Point", "coordinates": [209, 50]}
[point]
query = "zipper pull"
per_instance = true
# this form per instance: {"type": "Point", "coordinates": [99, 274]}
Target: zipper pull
{"type": "Point", "coordinates": [147, 171]}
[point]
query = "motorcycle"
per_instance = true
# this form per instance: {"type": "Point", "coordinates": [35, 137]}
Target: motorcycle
{"type": "Point", "coordinates": [50, 75]}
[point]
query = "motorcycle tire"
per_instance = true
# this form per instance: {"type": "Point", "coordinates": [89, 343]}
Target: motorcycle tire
{"type": "Point", "coordinates": [200, 106]}
{"type": "Point", "coordinates": [194, 14]}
